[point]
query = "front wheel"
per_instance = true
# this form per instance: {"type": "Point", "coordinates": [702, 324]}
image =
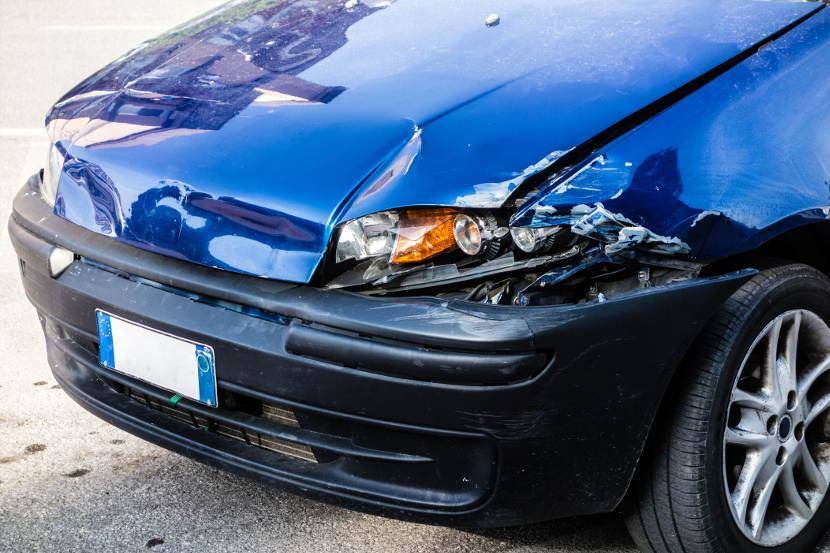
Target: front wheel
{"type": "Point", "coordinates": [741, 461]}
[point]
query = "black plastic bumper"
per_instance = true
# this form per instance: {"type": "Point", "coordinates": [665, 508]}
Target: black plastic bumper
{"type": "Point", "coordinates": [445, 412]}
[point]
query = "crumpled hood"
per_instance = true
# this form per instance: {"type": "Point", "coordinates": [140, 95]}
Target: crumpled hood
{"type": "Point", "coordinates": [241, 139]}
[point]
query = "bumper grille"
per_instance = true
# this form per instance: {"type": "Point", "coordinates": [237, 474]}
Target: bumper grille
{"type": "Point", "coordinates": [270, 412]}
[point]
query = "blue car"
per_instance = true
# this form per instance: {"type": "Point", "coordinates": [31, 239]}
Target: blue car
{"type": "Point", "coordinates": [465, 263]}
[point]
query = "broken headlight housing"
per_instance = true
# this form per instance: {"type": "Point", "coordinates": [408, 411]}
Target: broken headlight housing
{"type": "Point", "coordinates": [435, 244]}
{"type": "Point", "coordinates": [51, 174]}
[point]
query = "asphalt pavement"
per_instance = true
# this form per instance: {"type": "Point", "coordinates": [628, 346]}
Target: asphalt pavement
{"type": "Point", "coordinates": [70, 482]}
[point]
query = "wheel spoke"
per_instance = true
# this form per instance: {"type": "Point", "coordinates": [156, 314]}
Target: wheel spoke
{"type": "Point", "coordinates": [811, 470]}
{"type": "Point", "coordinates": [811, 376]}
{"type": "Point", "coordinates": [770, 367]}
{"type": "Point", "coordinates": [791, 342]}
{"type": "Point", "coordinates": [742, 398]}
{"type": "Point", "coordinates": [747, 480]}
{"type": "Point", "coordinates": [789, 491]}
{"type": "Point", "coordinates": [745, 438]}
{"type": "Point", "coordinates": [817, 408]}
{"type": "Point", "coordinates": [790, 352]}
{"type": "Point", "coordinates": [765, 485]}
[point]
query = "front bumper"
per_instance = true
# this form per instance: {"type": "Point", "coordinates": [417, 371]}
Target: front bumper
{"type": "Point", "coordinates": [445, 412]}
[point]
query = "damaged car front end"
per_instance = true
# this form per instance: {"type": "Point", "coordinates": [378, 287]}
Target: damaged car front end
{"type": "Point", "coordinates": [452, 281]}
{"type": "Point", "coordinates": [444, 403]}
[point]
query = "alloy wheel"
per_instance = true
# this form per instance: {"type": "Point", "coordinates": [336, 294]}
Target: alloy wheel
{"type": "Point", "coordinates": [776, 448]}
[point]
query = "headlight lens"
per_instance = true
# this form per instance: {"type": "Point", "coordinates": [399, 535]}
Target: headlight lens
{"type": "Point", "coordinates": [367, 237]}
{"type": "Point", "coordinates": [423, 234]}
{"type": "Point", "coordinates": [468, 234]}
{"type": "Point", "coordinates": [411, 236]}
{"type": "Point", "coordinates": [388, 244]}
{"type": "Point", "coordinates": [51, 175]}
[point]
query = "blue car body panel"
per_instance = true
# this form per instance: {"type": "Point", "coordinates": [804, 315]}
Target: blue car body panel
{"type": "Point", "coordinates": [241, 140]}
{"type": "Point", "coordinates": [740, 161]}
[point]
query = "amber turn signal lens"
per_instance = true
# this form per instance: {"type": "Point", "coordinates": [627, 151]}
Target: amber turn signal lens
{"type": "Point", "coordinates": [423, 234]}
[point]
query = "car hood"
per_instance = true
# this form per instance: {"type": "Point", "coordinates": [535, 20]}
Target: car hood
{"type": "Point", "coordinates": [242, 138]}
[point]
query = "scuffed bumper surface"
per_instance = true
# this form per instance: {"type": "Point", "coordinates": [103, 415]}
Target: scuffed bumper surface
{"type": "Point", "coordinates": [559, 440]}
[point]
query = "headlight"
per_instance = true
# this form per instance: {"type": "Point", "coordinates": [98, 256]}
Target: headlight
{"type": "Point", "coordinates": [389, 244]}
{"type": "Point", "coordinates": [367, 237]}
{"type": "Point", "coordinates": [51, 174]}
{"type": "Point", "coordinates": [410, 236]}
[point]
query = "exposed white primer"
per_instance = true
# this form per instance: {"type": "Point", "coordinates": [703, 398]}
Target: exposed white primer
{"type": "Point", "coordinates": [620, 233]}
{"type": "Point", "coordinates": [582, 209]}
{"type": "Point", "coordinates": [703, 214]}
{"type": "Point", "coordinates": [545, 210]}
{"type": "Point", "coordinates": [493, 194]}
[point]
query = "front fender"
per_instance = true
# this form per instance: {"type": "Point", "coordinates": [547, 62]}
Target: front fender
{"type": "Point", "coordinates": [738, 162]}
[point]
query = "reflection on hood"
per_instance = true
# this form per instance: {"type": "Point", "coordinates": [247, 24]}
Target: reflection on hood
{"type": "Point", "coordinates": [280, 119]}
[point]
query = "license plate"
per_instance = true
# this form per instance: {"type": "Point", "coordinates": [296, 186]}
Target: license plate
{"type": "Point", "coordinates": [185, 368]}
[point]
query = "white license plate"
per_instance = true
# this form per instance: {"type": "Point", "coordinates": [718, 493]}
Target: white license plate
{"type": "Point", "coordinates": [185, 368]}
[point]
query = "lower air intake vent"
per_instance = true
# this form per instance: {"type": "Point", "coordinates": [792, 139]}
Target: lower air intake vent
{"type": "Point", "coordinates": [270, 412]}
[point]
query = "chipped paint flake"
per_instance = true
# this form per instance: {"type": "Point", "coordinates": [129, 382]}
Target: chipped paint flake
{"type": "Point", "coordinates": [621, 234]}
{"type": "Point", "coordinates": [546, 210]}
{"type": "Point", "coordinates": [703, 214]}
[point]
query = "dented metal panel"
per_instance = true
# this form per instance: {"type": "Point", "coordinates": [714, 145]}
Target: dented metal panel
{"type": "Point", "coordinates": [722, 171]}
{"type": "Point", "coordinates": [240, 140]}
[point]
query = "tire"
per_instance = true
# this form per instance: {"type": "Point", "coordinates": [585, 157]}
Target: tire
{"type": "Point", "coordinates": [679, 500]}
